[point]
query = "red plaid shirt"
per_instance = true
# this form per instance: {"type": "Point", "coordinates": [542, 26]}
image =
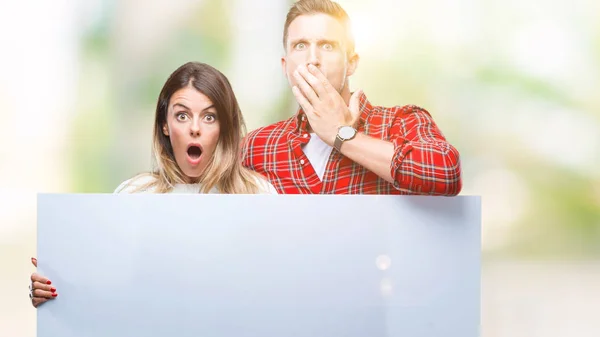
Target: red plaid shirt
{"type": "Point", "coordinates": [423, 162]}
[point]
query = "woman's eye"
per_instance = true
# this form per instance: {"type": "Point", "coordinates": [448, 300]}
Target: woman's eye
{"type": "Point", "coordinates": [210, 118]}
{"type": "Point", "coordinates": [182, 117]}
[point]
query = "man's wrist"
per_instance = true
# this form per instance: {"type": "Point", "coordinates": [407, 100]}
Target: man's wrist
{"type": "Point", "coordinates": [345, 133]}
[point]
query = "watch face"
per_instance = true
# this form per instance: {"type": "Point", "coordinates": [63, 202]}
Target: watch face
{"type": "Point", "coordinates": [347, 132]}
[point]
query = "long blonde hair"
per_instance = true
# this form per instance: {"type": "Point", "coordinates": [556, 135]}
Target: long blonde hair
{"type": "Point", "coordinates": [225, 170]}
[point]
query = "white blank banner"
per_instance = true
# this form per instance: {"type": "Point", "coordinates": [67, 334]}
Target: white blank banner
{"type": "Point", "coordinates": [259, 265]}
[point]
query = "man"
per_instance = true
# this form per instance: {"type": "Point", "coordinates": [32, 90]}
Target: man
{"type": "Point", "coordinates": [337, 142]}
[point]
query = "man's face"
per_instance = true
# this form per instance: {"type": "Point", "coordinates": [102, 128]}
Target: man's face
{"type": "Point", "coordinates": [319, 39]}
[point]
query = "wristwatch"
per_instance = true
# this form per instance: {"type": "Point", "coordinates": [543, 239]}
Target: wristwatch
{"type": "Point", "coordinates": [345, 133]}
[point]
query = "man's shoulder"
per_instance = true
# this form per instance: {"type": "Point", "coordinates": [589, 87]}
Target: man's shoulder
{"type": "Point", "coordinates": [265, 140]}
{"type": "Point", "coordinates": [271, 131]}
{"type": "Point", "coordinates": [399, 110]}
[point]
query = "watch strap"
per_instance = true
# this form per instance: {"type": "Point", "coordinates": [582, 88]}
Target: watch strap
{"type": "Point", "coordinates": [337, 144]}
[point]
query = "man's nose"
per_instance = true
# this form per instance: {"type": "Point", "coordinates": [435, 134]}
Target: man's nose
{"type": "Point", "coordinates": [314, 57]}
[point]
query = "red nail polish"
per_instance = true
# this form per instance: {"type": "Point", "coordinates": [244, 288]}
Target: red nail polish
{"type": "Point", "coordinates": [48, 282]}
{"type": "Point", "coordinates": [52, 289]}
{"type": "Point", "coordinates": [54, 295]}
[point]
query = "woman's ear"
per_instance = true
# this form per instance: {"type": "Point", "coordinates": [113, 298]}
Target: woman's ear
{"type": "Point", "coordinates": [165, 130]}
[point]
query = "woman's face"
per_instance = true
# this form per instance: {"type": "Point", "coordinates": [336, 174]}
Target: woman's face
{"type": "Point", "coordinates": [193, 129]}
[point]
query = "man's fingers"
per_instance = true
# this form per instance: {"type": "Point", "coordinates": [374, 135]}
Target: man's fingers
{"type": "Point", "coordinates": [43, 294]}
{"type": "Point", "coordinates": [35, 277]}
{"type": "Point", "coordinates": [304, 103]}
{"type": "Point", "coordinates": [325, 86]}
{"type": "Point", "coordinates": [318, 84]}
{"type": "Point", "coordinates": [354, 105]}
{"type": "Point", "coordinates": [305, 88]}
{"type": "Point", "coordinates": [37, 301]}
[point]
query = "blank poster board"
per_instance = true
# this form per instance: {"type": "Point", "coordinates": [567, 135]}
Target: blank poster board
{"type": "Point", "coordinates": [259, 265]}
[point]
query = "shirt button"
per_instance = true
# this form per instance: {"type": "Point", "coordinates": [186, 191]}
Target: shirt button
{"type": "Point", "coordinates": [305, 135]}
{"type": "Point", "coordinates": [301, 161]}
{"type": "Point", "coordinates": [303, 117]}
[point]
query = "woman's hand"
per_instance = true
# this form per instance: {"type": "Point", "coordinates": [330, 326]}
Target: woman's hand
{"type": "Point", "coordinates": [41, 288]}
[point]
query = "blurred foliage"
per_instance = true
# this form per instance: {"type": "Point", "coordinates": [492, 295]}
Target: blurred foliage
{"type": "Point", "coordinates": [531, 87]}
{"type": "Point", "coordinates": [467, 92]}
{"type": "Point", "coordinates": [564, 220]}
{"type": "Point", "coordinates": [92, 126]}
{"type": "Point", "coordinates": [203, 38]}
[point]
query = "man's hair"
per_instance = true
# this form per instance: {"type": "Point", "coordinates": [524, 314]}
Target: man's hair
{"type": "Point", "coordinates": [310, 7]}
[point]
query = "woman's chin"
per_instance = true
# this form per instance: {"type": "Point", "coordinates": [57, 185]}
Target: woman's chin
{"type": "Point", "coordinates": [193, 175]}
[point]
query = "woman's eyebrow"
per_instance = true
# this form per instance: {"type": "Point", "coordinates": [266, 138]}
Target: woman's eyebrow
{"type": "Point", "coordinates": [181, 105]}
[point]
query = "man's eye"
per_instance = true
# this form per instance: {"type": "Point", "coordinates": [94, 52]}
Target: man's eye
{"type": "Point", "coordinates": [300, 46]}
{"type": "Point", "coordinates": [328, 46]}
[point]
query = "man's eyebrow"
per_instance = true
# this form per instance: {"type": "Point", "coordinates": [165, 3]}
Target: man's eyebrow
{"type": "Point", "coordinates": [332, 42]}
{"type": "Point", "coordinates": [320, 41]}
{"type": "Point", "coordinates": [296, 41]}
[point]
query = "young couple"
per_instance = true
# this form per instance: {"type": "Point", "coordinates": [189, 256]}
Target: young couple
{"type": "Point", "coordinates": [336, 143]}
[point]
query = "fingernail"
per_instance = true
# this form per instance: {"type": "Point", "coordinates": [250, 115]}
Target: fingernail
{"type": "Point", "coordinates": [48, 282]}
{"type": "Point", "coordinates": [54, 295]}
{"type": "Point", "coordinates": [53, 289]}
{"type": "Point", "coordinates": [33, 259]}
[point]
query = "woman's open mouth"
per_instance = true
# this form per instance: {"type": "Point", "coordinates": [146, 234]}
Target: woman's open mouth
{"type": "Point", "coordinates": [194, 153]}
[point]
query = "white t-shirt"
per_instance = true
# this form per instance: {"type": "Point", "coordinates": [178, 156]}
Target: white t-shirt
{"type": "Point", "coordinates": [317, 152]}
{"type": "Point", "coordinates": [131, 185]}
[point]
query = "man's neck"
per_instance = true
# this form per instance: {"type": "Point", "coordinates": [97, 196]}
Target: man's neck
{"type": "Point", "coordinates": [346, 94]}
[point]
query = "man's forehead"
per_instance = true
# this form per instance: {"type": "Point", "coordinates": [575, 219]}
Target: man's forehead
{"type": "Point", "coordinates": [316, 26]}
{"type": "Point", "coordinates": [320, 38]}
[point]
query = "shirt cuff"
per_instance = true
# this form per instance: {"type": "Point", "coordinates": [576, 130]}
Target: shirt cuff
{"type": "Point", "coordinates": [401, 148]}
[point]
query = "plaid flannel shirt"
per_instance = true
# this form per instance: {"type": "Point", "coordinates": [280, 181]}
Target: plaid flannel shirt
{"type": "Point", "coordinates": [423, 161]}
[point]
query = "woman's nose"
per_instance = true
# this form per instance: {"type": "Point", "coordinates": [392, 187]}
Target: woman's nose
{"type": "Point", "coordinates": [195, 128]}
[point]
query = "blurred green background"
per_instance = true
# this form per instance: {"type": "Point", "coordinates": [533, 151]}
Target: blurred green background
{"type": "Point", "coordinates": [512, 84]}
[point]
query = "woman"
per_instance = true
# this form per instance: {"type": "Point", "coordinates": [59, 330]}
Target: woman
{"type": "Point", "coordinates": [198, 129]}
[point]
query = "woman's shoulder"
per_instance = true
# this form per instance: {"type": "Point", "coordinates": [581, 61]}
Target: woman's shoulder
{"type": "Point", "coordinates": [265, 187]}
{"type": "Point", "coordinates": [142, 183]}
